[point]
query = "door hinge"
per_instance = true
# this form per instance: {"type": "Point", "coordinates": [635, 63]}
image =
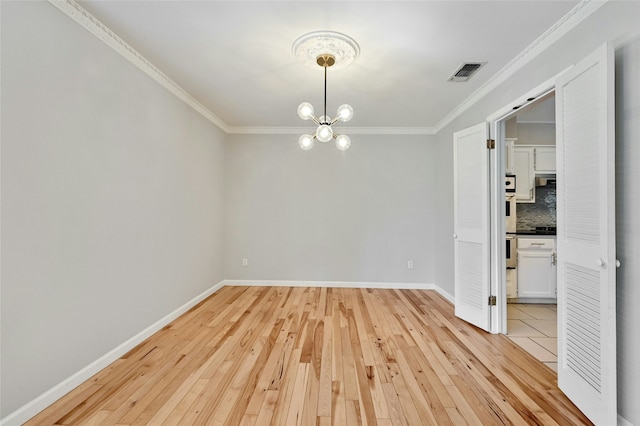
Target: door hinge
{"type": "Point", "coordinates": [492, 301]}
{"type": "Point", "coordinates": [491, 144]}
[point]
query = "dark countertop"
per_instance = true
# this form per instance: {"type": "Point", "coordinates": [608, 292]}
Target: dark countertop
{"type": "Point", "coordinates": [538, 230]}
{"type": "Point", "coordinates": [533, 232]}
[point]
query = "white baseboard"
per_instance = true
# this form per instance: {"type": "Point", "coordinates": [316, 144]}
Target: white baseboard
{"type": "Point", "coordinates": [38, 404]}
{"type": "Point", "coordinates": [341, 284]}
{"type": "Point", "coordinates": [35, 406]}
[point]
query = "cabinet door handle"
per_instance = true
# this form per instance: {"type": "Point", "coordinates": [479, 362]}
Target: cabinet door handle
{"type": "Point", "coordinates": [617, 263]}
{"type": "Point", "coordinates": [600, 262]}
{"type": "Point", "coordinates": [455, 235]}
{"type": "Point", "coordinates": [554, 259]}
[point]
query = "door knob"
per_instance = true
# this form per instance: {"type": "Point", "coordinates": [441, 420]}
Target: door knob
{"type": "Point", "coordinates": [600, 262]}
{"type": "Point", "coordinates": [617, 263]}
{"type": "Point", "coordinates": [455, 235]}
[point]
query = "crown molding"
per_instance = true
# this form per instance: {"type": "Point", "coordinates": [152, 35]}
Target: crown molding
{"type": "Point", "coordinates": [108, 37]}
{"type": "Point", "coordinates": [256, 130]}
{"type": "Point", "coordinates": [584, 9]}
{"type": "Point", "coordinates": [569, 21]}
{"type": "Point", "coordinates": [390, 130]}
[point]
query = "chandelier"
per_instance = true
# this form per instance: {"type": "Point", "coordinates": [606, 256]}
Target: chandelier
{"type": "Point", "coordinates": [325, 49]}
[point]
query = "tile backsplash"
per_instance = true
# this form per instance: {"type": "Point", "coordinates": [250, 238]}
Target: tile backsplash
{"type": "Point", "coordinates": [540, 213]}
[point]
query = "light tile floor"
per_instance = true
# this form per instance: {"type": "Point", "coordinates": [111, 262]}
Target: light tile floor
{"type": "Point", "coordinates": [533, 327]}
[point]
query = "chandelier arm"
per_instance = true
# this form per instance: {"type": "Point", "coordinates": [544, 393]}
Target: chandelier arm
{"type": "Point", "coordinates": [334, 121]}
{"type": "Point", "coordinates": [315, 119]}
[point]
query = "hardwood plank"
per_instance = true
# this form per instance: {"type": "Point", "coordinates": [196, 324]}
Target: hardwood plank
{"type": "Point", "coordinates": [325, 382]}
{"type": "Point", "coordinates": [339, 413]}
{"type": "Point", "coordinates": [287, 388]}
{"type": "Point", "coordinates": [296, 407]}
{"type": "Point", "coordinates": [316, 356]}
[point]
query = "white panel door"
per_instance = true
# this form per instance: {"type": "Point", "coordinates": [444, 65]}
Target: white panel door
{"type": "Point", "coordinates": [471, 225]}
{"type": "Point", "coordinates": [586, 236]}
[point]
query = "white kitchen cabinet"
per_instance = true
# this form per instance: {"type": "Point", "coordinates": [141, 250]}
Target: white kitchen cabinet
{"type": "Point", "coordinates": [537, 268]}
{"type": "Point", "coordinates": [523, 162]}
{"type": "Point", "coordinates": [508, 155]}
{"type": "Point", "coordinates": [545, 159]}
{"type": "Point", "coordinates": [512, 283]}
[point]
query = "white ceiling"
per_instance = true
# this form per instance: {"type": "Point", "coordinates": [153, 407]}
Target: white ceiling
{"type": "Point", "coordinates": [235, 57]}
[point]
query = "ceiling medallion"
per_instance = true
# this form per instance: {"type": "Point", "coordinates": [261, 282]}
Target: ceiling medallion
{"type": "Point", "coordinates": [309, 46]}
{"type": "Point", "coordinates": [325, 49]}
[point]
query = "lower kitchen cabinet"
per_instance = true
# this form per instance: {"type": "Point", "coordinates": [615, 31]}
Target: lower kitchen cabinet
{"type": "Point", "coordinates": [512, 283]}
{"type": "Point", "coordinates": [537, 269]}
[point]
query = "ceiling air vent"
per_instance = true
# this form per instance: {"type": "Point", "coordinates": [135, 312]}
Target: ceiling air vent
{"type": "Point", "coordinates": [465, 71]}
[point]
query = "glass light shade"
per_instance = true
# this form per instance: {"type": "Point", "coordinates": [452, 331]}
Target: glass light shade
{"type": "Point", "coordinates": [345, 112]}
{"type": "Point", "coordinates": [343, 142]}
{"type": "Point", "coordinates": [324, 120]}
{"type": "Point", "coordinates": [306, 142]}
{"type": "Point", "coordinates": [324, 133]}
{"type": "Point", "coordinates": [305, 111]}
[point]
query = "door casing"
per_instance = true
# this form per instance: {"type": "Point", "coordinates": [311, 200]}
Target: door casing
{"type": "Point", "coordinates": [497, 132]}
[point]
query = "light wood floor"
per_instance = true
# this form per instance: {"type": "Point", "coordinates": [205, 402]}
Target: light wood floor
{"type": "Point", "coordinates": [318, 356]}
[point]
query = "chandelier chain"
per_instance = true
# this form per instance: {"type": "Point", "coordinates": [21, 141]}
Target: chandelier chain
{"type": "Point", "coordinates": [325, 95]}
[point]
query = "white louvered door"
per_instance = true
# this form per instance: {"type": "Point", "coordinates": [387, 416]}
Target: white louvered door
{"type": "Point", "coordinates": [586, 236]}
{"type": "Point", "coordinates": [471, 225]}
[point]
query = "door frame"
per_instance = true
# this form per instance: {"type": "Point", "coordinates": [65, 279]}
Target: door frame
{"type": "Point", "coordinates": [498, 271]}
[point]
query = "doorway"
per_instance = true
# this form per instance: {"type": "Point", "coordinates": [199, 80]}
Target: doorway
{"type": "Point", "coordinates": [530, 224]}
{"type": "Point", "coordinates": [586, 230]}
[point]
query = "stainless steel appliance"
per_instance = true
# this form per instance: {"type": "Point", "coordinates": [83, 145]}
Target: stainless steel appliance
{"type": "Point", "coordinates": [511, 245]}
{"type": "Point", "coordinates": [511, 250]}
{"type": "Point", "coordinates": [510, 184]}
{"type": "Point", "coordinates": [510, 212]}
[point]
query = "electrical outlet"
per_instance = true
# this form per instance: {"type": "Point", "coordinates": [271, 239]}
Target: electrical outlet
{"type": "Point", "coordinates": [410, 264]}
{"type": "Point", "coordinates": [245, 262]}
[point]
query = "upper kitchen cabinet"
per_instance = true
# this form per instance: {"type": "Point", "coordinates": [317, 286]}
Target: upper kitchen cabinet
{"type": "Point", "coordinates": [545, 159]}
{"type": "Point", "coordinates": [523, 167]}
{"type": "Point", "coordinates": [528, 161]}
{"type": "Point", "coordinates": [508, 156]}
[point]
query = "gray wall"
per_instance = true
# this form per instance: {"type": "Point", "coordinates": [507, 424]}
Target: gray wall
{"type": "Point", "coordinates": [617, 22]}
{"type": "Point", "coordinates": [328, 215]}
{"type": "Point", "coordinates": [119, 203]}
{"type": "Point", "coordinates": [112, 193]}
{"type": "Point", "coordinates": [535, 134]}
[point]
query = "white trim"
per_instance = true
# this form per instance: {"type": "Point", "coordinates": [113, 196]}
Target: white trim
{"type": "Point", "coordinates": [341, 284]}
{"type": "Point", "coordinates": [536, 122]}
{"type": "Point", "coordinates": [541, 90]}
{"type": "Point", "coordinates": [499, 287]}
{"type": "Point", "coordinates": [38, 404]}
{"type": "Point", "coordinates": [111, 39]}
{"type": "Point", "coordinates": [257, 130]}
{"type": "Point", "coordinates": [584, 9]}
{"type": "Point", "coordinates": [569, 21]}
